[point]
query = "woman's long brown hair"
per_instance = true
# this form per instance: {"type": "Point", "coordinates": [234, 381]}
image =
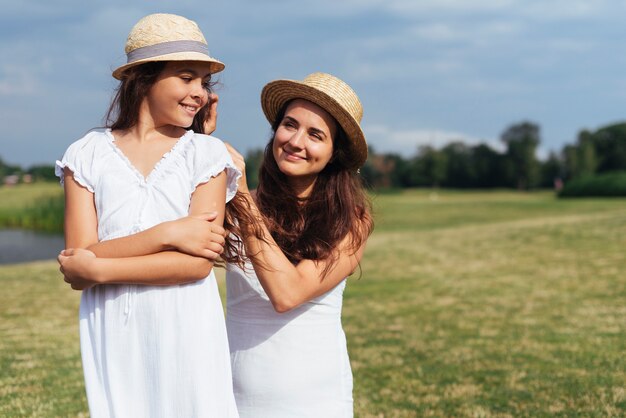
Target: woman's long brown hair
{"type": "Point", "coordinates": [123, 113]}
{"type": "Point", "coordinates": [312, 228]}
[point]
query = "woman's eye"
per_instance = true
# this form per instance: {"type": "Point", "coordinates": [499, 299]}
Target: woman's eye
{"type": "Point", "coordinates": [316, 135]}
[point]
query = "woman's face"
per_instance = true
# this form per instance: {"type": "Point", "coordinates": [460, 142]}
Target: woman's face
{"type": "Point", "coordinates": [303, 142]}
{"type": "Point", "coordinates": [178, 94]}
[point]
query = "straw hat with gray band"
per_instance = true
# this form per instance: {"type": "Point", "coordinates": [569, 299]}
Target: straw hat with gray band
{"type": "Point", "coordinates": [166, 37]}
{"type": "Point", "coordinates": [328, 92]}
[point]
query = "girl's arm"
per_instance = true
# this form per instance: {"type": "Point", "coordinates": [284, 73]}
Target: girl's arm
{"type": "Point", "coordinates": [196, 235]}
{"type": "Point", "coordinates": [288, 285]}
{"type": "Point", "coordinates": [82, 269]}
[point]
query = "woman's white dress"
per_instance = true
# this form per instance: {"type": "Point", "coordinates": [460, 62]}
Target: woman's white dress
{"type": "Point", "coordinates": [293, 364]}
{"type": "Point", "coordinates": [152, 351]}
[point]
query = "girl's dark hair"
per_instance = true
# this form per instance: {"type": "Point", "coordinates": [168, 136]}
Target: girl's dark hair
{"type": "Point", "coordinates": [123, 113]}
{"type": "Point", "coordinates": [312, 228]}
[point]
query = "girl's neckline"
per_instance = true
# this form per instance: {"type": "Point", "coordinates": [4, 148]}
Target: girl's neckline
{"type": "Point", "coordinates": [146, 179]}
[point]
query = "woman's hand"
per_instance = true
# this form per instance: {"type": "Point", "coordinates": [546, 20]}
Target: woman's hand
{"type": "Point", "coordinates": [210, 122]}
{"type": "Point", "coordinates": [240, 163]}
{"type": "Point", "coordinates": [79, 268]}
{"type": "Point", "coordinates": [197, 236]}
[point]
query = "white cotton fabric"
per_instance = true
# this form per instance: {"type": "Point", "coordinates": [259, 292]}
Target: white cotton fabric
{"type": "Point", "coordinates": [152, 351]}
{"type": "Point", "coordinates": [293, 364]}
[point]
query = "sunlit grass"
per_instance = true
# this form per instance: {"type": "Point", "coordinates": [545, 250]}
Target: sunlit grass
{"type": "Point", "coordinates": [469, 305]}
{"type": "Point", "coordinates": [23, 195]}
{"type": "Point", "coordinates": [520, 314]}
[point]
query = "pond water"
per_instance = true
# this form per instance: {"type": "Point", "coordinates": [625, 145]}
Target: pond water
{"type": "Point", "coordinates": [18, 246]}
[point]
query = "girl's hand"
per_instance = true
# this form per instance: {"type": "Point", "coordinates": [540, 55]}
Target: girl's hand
{"type": "Point", "coordinates": [210, 122]}
{"type": "Point", "coordinates": [197, 236]}
{"type": "Point", "coordinates": [240, 163]}
{"type": "Point", "coordinates": [79, 268]}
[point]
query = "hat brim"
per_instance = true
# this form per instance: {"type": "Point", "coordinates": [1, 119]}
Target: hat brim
{"type": "Point", "coordinates": [276, 93]}
{"type": "Point", "coordinates": [215, 66]}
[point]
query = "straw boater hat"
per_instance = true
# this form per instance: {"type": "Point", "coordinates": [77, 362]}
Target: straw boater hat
{"type": "Point", "coordinates": [166, 37]}
{"type": "Point", "coordinates": [331, 94]}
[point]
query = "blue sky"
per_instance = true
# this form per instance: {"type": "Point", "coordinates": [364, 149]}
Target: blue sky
{"type": "Point", "coordinates": [427, 71]}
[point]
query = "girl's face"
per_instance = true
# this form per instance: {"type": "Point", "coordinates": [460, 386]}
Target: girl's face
{"type": "Point", "coordinates": [303, 142]}
{"type": "Point", "coordinates": [178, 93]}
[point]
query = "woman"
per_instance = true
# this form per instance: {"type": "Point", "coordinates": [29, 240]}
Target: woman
{"type": "Point", "coordinates": [288, 348]}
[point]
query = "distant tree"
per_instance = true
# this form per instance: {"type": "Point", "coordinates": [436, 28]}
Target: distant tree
{"type": "Point", "coordinates": [385, 167]}
{"type": "Point", "coordinates": [570, 161]}
{"type": "Point", "coordinates": [42, 172]}
{"type": "Point", "coordinates": [459, 165]}
{"type": "Point", "coordinates": [551, 171]}
{"type": "Point", "coordinates": [368, 172]}
{"type": "Point", "coordinates": [585, 155]}
{"type": "Point", "coordinates": [522, 140]}
{"type": "Point", "coordinates": [7, 169]}
{"type": "Point", "coordinates": [489, 167]}
{"type": "Point", "coordinates": [401, 174]}
{"type": "Point", "coordinates": [431, 165]}
{"type": "Point", "coordinates": [610, 147]}
{"type": "Point", "coordinates": [254, 158]}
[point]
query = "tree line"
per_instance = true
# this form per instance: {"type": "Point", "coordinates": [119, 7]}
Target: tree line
{"type": "Point", "coordinates": [459, 165]}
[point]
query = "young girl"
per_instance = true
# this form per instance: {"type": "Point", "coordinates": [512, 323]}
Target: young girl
{"type": "Point", "coordinates": [288, 348]}
{"type": "Point", "coordinates": [153, 339]}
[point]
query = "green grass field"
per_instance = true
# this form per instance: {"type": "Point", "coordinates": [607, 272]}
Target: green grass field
{"type": "Point", "coordinates": [469, 305]}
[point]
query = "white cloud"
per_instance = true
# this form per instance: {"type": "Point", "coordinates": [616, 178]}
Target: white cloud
{"type": "Point", "coordinates": [568, 9]}
{"type": "Point", "coordinates": [427, 9]}
{"type": "Point", "coordinates": [19, 81]}
{"type": "Point", "coordinates": [406, 142]}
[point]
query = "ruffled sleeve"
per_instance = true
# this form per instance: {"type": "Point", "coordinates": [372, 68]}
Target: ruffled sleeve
{"type": "Point", "coordinates": [211, 158]}
{"type": "Point", "coordinates": [79, 158]}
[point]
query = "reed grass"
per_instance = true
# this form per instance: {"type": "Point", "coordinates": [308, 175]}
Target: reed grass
{"type": "Point", "coordinates": [37, 206]}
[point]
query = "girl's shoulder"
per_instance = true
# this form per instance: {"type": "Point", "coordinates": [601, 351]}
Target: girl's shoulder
{"type": "Point", "coordinates": [81, 157]}
{"type": "Point", "coordinates": [209, 148]}
{"type": "Point", "coordinates": [89, 141]}
{"type": "Point", "coordinates": [207, 141]}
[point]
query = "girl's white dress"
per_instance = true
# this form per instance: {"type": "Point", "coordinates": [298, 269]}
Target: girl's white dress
{"type": "Point", "coordinates": [293, 364]}
{"type": "Point", "coordinates": [152, 351]}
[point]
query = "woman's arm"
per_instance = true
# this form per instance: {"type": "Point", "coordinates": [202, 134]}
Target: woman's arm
{"type": "Point", "coordinates": [83, 270]}
{"type": "Point", "coordinates": [286, 285]}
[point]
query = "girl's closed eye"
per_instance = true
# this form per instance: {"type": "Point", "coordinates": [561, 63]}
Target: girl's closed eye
{"type": "Point", "coordinates": [287, 123]}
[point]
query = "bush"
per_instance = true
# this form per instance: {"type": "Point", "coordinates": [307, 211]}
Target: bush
{"type": "Point", "coordinates": [45, 214]}
{"type": "Point", "coordinates": [612, 184]}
